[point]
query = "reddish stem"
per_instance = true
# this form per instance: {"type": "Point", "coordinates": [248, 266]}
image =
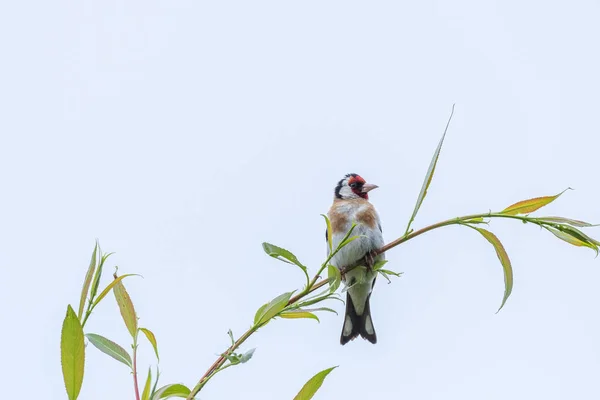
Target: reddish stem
{"type": "Point", "coordinates": [135, 381]}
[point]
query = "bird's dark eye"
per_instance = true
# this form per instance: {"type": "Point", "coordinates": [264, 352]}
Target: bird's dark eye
{"type": "Point", "coordinates": [353, 185]}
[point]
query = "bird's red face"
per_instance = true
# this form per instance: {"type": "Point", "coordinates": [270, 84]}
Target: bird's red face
{"type": "Point", "coordinates": [353, 186]}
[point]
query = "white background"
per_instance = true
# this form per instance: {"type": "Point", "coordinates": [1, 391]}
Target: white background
{"type": "Point", "coordinates": [182, 134]}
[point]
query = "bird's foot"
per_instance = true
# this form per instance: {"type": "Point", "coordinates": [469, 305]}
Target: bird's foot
{"type": "Point", "coordinates": [370, 259]}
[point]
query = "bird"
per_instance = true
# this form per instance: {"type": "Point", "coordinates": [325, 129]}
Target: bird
{"type": "Point", "coordinates": [351, 204]}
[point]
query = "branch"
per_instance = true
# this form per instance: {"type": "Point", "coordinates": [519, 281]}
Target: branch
{"type": "Point", "coordinates": [316, 284]}
{"type": "Point", "coordinates": [135, 380]}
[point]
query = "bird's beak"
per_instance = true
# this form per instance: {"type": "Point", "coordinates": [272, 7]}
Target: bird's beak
{"type": "Point", "coordinates": [367, 187]}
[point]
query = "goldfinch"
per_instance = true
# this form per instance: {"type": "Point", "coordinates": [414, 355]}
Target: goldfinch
{"type": "Point", "coordinates": [351, 204]}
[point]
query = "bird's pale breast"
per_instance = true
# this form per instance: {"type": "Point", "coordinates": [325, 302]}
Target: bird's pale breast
{"type": "Point", "coordinates": [341, 215]}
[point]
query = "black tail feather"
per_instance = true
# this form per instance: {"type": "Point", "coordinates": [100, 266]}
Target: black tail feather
{"type": "Point", "coordinates": [357, 323]}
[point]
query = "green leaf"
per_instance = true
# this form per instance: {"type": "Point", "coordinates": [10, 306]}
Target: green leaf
{"type": "Point", "coordinates": [274, 307]}
{"type": "Point", "coordinates": [152, 339]}
{"type": "Point", "coordinates": [87, 282]}
{"type": "Point", "coordinates": [318, 299]}
{"type": "Point", "coordinates": [571, 239]}
{"type": "Point", "coordinates": [504, 260]}
{"type": "Point", "coordinates": [72, 353]}
{"type": "Point", "coordinates": [389, 272]}
{"type": "Point", "coordinates": [247, 356]}
{"type": "Point", "coordinates": [379, 264]}
{"type": "Point", "coordinates": [97, 275]}
{"type": "Point", "coordinates": [108, 288]}
{"type": "Point", "coordinates": [147, 386]}
{"type": "Point", "coordinates": [155, 382]}
{"type": "Point", "coordinates": [335, 278]}
{"type": "Point", "coordinates": [310, 388]}
{"type": "Point", "coordinates": [285, 256]}
{"type": "Point", "coordinates": [322, 309]}
{"type": "Point", "coordinates": [259, 313]}
{"type": "Point", "coordinates": [530, 205]}
{"type": "Point", "coordinates": [126, 307]}
{"type": "Point", "coordinates": [111, 348]}
{"type": "Point", "coordinates": [429, 174]}
{"type": "Point", "coordinates": [578, 234]}
{"type": "Point", "coordinates": [233, 358]}
{"type": "Point", "coordinates": [347, 241]}
{"type": "Point", "coordinates": [299, 314]}
{"type": "Point", "coordinates": [386, 274]}
{"type": "Point", "coordinates": [281, 254]}
{"type": "Point", "coordinates": [329, 233]}
{"type": "Point", "coordinates": [230, 334]}
{"type": "Point", "coordinates": [360, 277]}
{"type": "Point", "coordinates": [172, 390]}
{"type": "Point", "coordinates": [568, 221]}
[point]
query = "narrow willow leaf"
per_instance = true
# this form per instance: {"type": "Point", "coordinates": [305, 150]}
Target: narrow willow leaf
{"type": "Point", "coordinates": [281, 254]}
{"type": "Point", "coordinates": [72, 353]}
{"type": "Point", "coordinates": [285, 256]}
{"type": "Point", "coordinates": [335, 278]}
{"type": "Point", "coordinates": [315, 298]}
{"type": "Point", "coordinates": [570, 239]}
{"type": "Point", "coordinates": [504, 260]}
{"type": "Point", "coordinates": [147, 386]}
{"type": "Point", "coordinates": [328, 233]}
{"type": "Point", "coordinates": [110, 348]}
{"type": "Point", "coordinates": [247, 356]}
{"type": "Point", "coordinates": [389, 272]}
{"type": "Point", "coordinates": [578, 234]}
{"type": "Point", "coordinates": [322, 309]}
{"type": "Point", "coordinates": [568, 221]}
{"type": "Point", "coordinates": [530, 205]}
{"type": "Point", "coordinates": [87, 282]}
{"type": "Point", "coordinates": [379, 264]}
{"type": "Point", "coordinates": [108, 288]}
{"type": "Point", "coordinates": [155, 383]}
{"type": "Point", "coordinates": [299, 314]}
{"type": "Point", "coordinates": [319, 299]}
{"type": "Point", "coordinates": [347, 241]}
{"type": "Point", "coordinates": [172, 390]}
{"type": "Point", "coordinates": [126, 307]}
{"type": "Point", "coordinates": [310, 388]}
{"type": "Point", "coordinates": [152, 339]}
{"type": "Point", "coordinates": [429, 175]}
{"type": "Point", "coordinates": [386, 274]}
{"type": "Point", "coordinates": [259, 313]}
{"type": "Point", "coordinates": [97, 276]}
{"type": "Point", "coordinates": [324, 292]}
{"type": "Point", "coordinates": [105, 257]}
{"type": "Point", "coordinates": [234, 358]}
{"type": "Point", "coordinates": [274, 307]}
{"type": "Point", "coordinates": [387, 278]}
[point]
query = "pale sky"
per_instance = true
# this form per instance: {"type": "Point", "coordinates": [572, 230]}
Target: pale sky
{"type": "Point", "coordinates": [182, 134]}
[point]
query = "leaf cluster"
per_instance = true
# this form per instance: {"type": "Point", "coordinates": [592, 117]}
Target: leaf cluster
{"type": "Point", "coordinates": [73, 336]}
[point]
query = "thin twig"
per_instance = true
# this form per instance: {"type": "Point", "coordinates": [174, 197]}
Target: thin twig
{"type": "Point", "coordinates": [220, 361]}
{"type": "Point", "coordinates": [135, 380]}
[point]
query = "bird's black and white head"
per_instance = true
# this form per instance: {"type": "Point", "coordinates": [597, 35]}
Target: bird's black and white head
{"type": "Point", "coordinates": [353, 186]}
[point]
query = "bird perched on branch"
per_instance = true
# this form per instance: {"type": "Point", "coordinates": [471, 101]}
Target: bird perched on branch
{"type": "Point", "coordinates": [351, 204]}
